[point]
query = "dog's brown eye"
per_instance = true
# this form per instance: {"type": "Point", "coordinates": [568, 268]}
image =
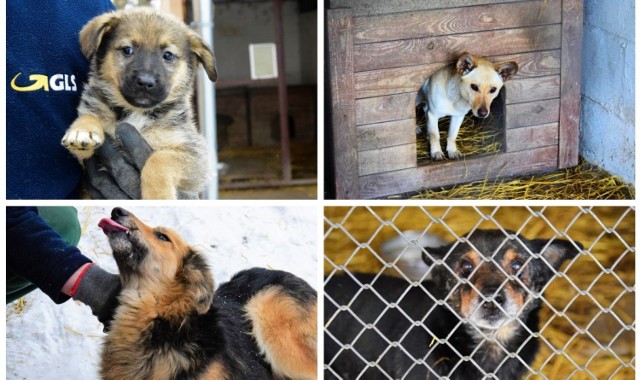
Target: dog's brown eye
{"type": "Point", "coordinates": [466, 268]}
{"type": "Point", "coordinates": [516, 265]}
{"type": "Point", "coordinates": [474, 87]}
{"type": "Point", "coordinates": [162, 236]}
{"type": "Point", "coordinates": [168, 56]}
{"type": "Point", "coordinates": [492, 90]}
{"type": "Point", "coordinates": [127, 51]}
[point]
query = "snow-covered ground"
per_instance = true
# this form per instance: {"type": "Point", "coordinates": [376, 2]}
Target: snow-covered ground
{"type": "Point", "coordinates": [48, 341]}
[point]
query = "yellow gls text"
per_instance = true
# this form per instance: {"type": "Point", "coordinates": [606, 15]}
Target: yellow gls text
{"type": "Point", "coordinates": [57, 82]}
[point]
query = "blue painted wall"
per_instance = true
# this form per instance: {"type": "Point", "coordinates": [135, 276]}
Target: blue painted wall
{"type": "Point", "coordinates": [608, 91]}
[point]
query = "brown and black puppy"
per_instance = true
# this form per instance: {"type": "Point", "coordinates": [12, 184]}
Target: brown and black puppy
{"type": "Point", "coordinates": [473, 318]}
{"type": "Point", "coordinates": [171, 324]}
{"type": "Point", "coordinates": [143, 66]}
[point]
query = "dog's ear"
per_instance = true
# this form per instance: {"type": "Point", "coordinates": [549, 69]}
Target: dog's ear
{"type": "Point", "coordinates": [554, 253]}
{"type": "Point", "coordinates": [204, 54]}
{"type": "Point", "coordinates": [506, 70]}
{"type": "Point", "coordinates": [198, 281]}
{"type": "Point", "coordinates": [437, 253]}
{"type": "Point", "coordinates": [466, 62]}
{"type": "Point", "coordinates": [92, 33]}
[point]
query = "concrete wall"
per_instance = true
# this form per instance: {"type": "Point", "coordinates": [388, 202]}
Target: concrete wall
{"type": "Point", "coordinates": [238, 24]}
{"type": "Point", "coordinates": [608, 90]}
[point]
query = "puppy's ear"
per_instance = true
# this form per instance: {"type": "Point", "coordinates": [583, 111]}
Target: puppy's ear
{"type": "Point", "coordinates": [556, 252]}
{"type": "Point", "coordinates": [92, 33]}
{"type": "Point", "coordinates": [198, 281]}
{"type": "Point", "coordinates": [506, 70]}
{"type": "Point", "coordinates": [466, 62]}
{"type": "Point", "coordinates": [436, 253]}
{"type": "Point", "coordinates": [204, 54]}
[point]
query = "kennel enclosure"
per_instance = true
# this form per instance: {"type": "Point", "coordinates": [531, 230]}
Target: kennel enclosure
{"type": "Point", "coordinates": [380, 53]}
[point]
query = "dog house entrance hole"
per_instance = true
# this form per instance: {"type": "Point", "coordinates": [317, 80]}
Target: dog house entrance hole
{"type": "Point", "coordinates": [477, 137]}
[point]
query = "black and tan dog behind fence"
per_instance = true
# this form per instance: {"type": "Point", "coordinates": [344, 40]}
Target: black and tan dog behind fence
{"type": "Point", "coordinates": [472, 316]}
{"type": "Point", "coordinates": [173, 324]}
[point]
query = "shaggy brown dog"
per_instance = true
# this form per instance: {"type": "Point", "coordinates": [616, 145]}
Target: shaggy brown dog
{"type": "Point", "coordinates": [143, 66]}
{"type": "Point", "coordinates": [172, 325]}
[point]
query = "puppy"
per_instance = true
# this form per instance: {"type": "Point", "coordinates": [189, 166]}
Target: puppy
{"type": "Point", "coordinates": [481, 301]}
{"type": "Point", "coordinates": [171, 324]}
{"type": "Point", "coordinates": [143, 66]}
{"type": "Point", "coordinates": [470, 84]}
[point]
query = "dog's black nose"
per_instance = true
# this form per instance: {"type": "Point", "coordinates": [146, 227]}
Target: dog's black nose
{"type": "Point", "coordinates": [119, 212]}
{"type": "Point", "coordinates": [483, 112]}
{"type": "Point", "coordinates": [145, 80]}
{"type": "Point", "coordinates": [493, 300]}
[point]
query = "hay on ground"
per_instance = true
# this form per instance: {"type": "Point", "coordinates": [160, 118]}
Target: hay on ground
{"type": "Point", "coordinates": [583, 182]}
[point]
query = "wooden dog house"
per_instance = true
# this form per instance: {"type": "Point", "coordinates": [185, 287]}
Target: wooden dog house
{"type": "Point", "coordinates": [380, 53]}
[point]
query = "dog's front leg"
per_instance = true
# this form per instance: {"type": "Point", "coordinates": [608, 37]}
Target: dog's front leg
{"type": "Point", "coordinates": [83, 137]}
{"type": "Point", "coordinates": [454, 128]}
{"type": "Point", "coordinates": [434, 137]}
{"type": "Point", "coordinates": [161, 175]}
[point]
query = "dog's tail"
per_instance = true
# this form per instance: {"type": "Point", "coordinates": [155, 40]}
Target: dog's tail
{"type": "Point", "coordinates": [422, 95]}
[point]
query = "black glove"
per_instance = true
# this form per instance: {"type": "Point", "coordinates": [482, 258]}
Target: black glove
{"type": "Point", "coordinates": [113, 172]}
{"type": "Point", "coordinates": [99, 290]}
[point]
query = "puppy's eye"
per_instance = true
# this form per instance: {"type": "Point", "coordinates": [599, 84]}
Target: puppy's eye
{"type": "Point", "coordinates": [168, 56]}
{"type": "Point", "coordinates": [474, 87]}
{"type": "Point", "coordinates": [492, 90]}
{"type": "Point", "coordinates": [466, 268]}
{"type": "Point", "coordinates": [162, 236]}
{"type": "Point", "coordinates": [127, 51]}
{"type": "Point", "coordinates": [516, 265]}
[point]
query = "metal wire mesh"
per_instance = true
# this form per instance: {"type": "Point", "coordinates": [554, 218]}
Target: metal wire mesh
{"type": "Point", "coordinates": [587, 319]}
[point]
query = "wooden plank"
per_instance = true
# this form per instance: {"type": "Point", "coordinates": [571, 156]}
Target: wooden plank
{"type": "Point", "coordinates": [387, 159]}
{"type": "Point", "coordinates": [413, 52]}
{"type": "Point", "coordinates": [374, 136]}
{"type": "Point", "coordinates": [532, 89]}
{"type": "Point", "coordinates": [402, 26]}
{"type": "Point", "coordinates": [375, 7]}
{"type": "Point", "coordinates": [570, 83]}
{"type": "Point", "coordinates": [402, 106]}
{"type": "Point", "coordinates": [339, 25]}
{"type": "Point", "coordinates": [531, 137]}
{"type": "Point", "coordinates": [454, 172]}
{"type": "Point", "coordinates": [385, 108]}
{"type": "Point", "coordinates": [532, 113]}
{"type": "Point", "coordinates": [409, 79]}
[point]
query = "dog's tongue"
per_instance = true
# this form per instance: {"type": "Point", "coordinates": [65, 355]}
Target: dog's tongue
{"type": "Point", "coordinates": [108, 225]}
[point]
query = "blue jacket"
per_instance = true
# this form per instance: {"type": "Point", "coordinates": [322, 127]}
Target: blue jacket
{"type": "Point", "coordinates": [38, 254]}
{"type": "Point", "coordinates": [45, 73]}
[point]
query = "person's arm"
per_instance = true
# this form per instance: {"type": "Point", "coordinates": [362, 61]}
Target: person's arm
{"type": "Point", "coordinates": [37, 253]}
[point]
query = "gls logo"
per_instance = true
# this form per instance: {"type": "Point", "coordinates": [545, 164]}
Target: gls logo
{"type": "Point", "coordinates": [57, 82]}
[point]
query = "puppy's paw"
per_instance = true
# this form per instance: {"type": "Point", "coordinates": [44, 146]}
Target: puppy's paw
{"type": "Point", "coordinates": [82, 139]}
{"type": "Point", "coordinates": [437, 155]}
{"type": "Point", "coordinates": [454, 155]}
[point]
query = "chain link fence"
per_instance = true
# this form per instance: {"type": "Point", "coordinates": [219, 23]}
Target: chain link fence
{"type": "Point", "coordinates": [587, 315]}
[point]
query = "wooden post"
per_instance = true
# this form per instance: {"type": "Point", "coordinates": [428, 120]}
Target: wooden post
{"type": "Point", "coordinates": [343, 116]}
{"type": "Point", "coordinates": [282, 94]}
{"type": "Point", "coordinates": [569, 137]}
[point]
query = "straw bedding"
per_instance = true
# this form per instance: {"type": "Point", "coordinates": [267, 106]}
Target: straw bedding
{"type": "Point", "coordinates": [596, 315]}
{"type": "Point", "coordinates": [479, 137]}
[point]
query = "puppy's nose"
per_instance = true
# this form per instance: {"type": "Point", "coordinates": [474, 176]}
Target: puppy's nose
{"type": "Point", "coordinates": [119, 212]}
{"type": "Point", "coordinates": [145, 80]}
{"type": "Point", "coordinates": [483, 112]}
{"type": "Point", "coordinates": [493, 300]}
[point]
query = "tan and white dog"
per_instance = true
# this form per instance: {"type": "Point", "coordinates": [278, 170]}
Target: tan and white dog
{"type": "Point", "coordinates": [470, 84]}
